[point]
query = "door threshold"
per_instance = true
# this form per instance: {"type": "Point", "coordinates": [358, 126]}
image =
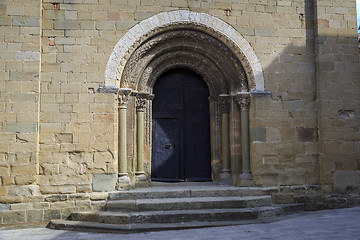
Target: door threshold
{"type": "Point", "coordinates": [159, 183]}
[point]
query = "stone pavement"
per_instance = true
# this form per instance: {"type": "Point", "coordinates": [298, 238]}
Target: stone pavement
{"type": "Point", "coordinates": [326, 225]}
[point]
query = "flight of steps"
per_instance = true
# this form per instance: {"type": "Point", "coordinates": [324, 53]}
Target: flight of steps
{"type": "Point", "coordinates": [170, 208]}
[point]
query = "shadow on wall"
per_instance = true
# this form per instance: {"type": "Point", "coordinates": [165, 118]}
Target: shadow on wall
{"type": "Point", "coordinates": [307, 132]}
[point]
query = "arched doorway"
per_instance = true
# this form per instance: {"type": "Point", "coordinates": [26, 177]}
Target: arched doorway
{"type": "Point", "coordinates": [180, 128]}
{"type": "Point", "coordinates": [209, 47]}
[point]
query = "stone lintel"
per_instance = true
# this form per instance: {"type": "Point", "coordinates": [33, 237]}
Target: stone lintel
{"type": "Point", "coordinates": [108, 89]}
{"type": "Point", "coordinates": [261, 94]}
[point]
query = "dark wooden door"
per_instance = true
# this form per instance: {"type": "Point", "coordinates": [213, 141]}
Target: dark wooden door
{"type": "Point", "coordinates": [181, 128]}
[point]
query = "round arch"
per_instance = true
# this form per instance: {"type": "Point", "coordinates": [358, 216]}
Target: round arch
{"type": "Point", "coordinates": [152, 26]}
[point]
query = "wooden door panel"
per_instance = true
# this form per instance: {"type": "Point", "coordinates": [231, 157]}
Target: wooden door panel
{"type": "Point", "coordinates": [166, 152]}
{"type": "Point", "coordinates": [181, 118]}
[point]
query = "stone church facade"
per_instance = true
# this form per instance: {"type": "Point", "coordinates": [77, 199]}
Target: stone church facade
{"type": "Point", "coordinates": [105, 95]}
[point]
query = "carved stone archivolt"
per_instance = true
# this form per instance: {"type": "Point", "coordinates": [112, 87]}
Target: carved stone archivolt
{"type": "Point", "coordinates": [185, 46]}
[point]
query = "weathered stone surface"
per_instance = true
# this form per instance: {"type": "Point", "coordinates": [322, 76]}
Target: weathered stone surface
{"type": "Point", "coordinates": [347, 181]}
{"type": "Point", "coordinates": [4, 206]}
{"type": "Point", "coordinates": [99, 196]}
{"type": "Point", "coordinates": [34, 215]}
{"type": "Point", "coordinates": [52, 214]}
{"type": "Point", "coordinates": [56, 198]}
{"type": "Point", "coordinates": [306, 134]}
{"type": "Point", "coordinates": [13, 217]}
{"type": "Point", "coordinates": [23, 190]}
{"type": "Point", "coordinates": [104, 182]}
{"type": "Point", "coordinates": [258, 134]}
{"type": "Point", "coordinates": [21, 127]}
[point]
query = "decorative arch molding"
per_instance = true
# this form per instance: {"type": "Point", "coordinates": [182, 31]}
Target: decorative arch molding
{"type": "Point", "coordinates": [156, 24]}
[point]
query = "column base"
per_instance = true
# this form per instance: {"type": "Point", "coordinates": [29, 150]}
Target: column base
{"type": "Point", "coordinates": [123, 182]}
{"type": "Point", "coordinates": [225, 177]}
{"type": "Point", "coordinates": [246, 175]}
{"type": "Point", "coordinates": [140, 177]}
{"type": "Point", "coordinates": [246, 179]}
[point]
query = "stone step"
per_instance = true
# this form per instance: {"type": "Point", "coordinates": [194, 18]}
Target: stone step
{"type": "Point", "coordinates": [188, 203]}
{"type": "Point", "coordinates": [137, 228]}
{"type": "Point", "coordinates": [177, 215]}
{"type": "Point", "coordinates": [144, 221]}
{"type": "Point", "coordinates": [184, 192]}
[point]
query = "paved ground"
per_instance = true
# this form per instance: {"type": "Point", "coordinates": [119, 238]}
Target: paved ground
{"type": "Point", "coordinates": [321, 225]}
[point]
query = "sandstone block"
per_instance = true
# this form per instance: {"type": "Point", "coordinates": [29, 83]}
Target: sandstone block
{"type": "Point", "coordinates": [83, 203]}
{"type": "Point", "coordinates": [50, 214]}
{"type": "Point", "coordinates": [79, 196]}
{"type": "Point", "coordinates": [105, 25]}
{"type": "Point", "coordinates": [66, 24]}
{"type": "Point", "coordinates": [62, 205]}
{"type": "Point", "coordinates": [84, 188]}
{"type": "Point", "coordinates": [10, 199]}
{"type": "Point", "coordinates": [4, 171]}
{"type": "Point", "coordinates": [56, 198]}
{"type": "Point", "coordinates": [21, 206]}
{"type": "Point", "coordinates": [41, 205]}
{"type": "Point", "coordinates": [26, 190]}
{"type": "Point", "coordinates": [99, 196]}
{"type": "Point", "coordinates": [20, 127]}
{"type": "Point", "coordinates": [34, 215]}
{"type": "Point", "coordinates": [49, 169]}
{"type": "Point", "coordinates": [67, 189]}
{"type": "Point", "coordinates": [66, 212]}
{"type": "Point", "coordinates": [26, 21]}
{"type": "Point", "coordinates": [49, 189]}
{"type": "Point", "coordinates": [258, 134]}
{"type": "Point", "coordinates": [347, 181]}
{"type": "Point", "coordinates": [24, 170]}
{"type": "Point", "coordinates": [64, 137]}
{"type": "Point", "coordinates": [13, 217]}
{"type": "Point", "coordinates": [4, 207]}
{"type": "Point", "coordinates": [104, 182]}
{"type": "Point", "coordinates": [25, 180]}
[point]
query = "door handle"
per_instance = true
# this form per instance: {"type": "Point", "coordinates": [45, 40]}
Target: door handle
{"type": "Point", "coordinates": [168, 146]}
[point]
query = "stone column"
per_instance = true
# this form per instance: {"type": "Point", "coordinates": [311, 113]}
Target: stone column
{"type": "Point", "coordinates": [235, 139]}
{"type": "Point", "coordinates": [124, 95]}
{"type": "Point", "coordinates": [225, 176]}
{"type": "Point", "coordinates": [215, 137]}
{"type": "Point", "coordinates": [243, 100]}
{"type": "Point", "coordinates": [141, 100]}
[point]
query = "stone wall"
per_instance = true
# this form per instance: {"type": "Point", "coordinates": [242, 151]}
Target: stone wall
{"type": "Point", "coordinates": [58, 141]}
{"type": "Point", "coordinates": [284, 127]}
{"type": "Point", "coordinates": [338, 75]}
{"type": "Point", "coordinates": [20, 37]}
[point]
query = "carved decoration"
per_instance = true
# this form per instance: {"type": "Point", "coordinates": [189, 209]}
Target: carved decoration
{"type": "Point", "coordinates": [185, 47]}
{"type": "Point", "coordinates": [243, 99]}
{"type": "Point", "coordinates": [142, 99]}
{"type": "Point", "coordinates": [124, 96]}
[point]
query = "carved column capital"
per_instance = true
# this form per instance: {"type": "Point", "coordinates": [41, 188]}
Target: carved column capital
{"type": "Point", "coordinates": [141, 99]}
{"type": "Point", "coordinates": [243, 99]}
{"type": "Point", "coordinates": [224, 103]}
{"type": "Point", "coordinates": [124, 96]}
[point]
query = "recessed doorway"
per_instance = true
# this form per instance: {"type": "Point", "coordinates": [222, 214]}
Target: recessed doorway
{"type": "Point", "coordinates": [180, 128]}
